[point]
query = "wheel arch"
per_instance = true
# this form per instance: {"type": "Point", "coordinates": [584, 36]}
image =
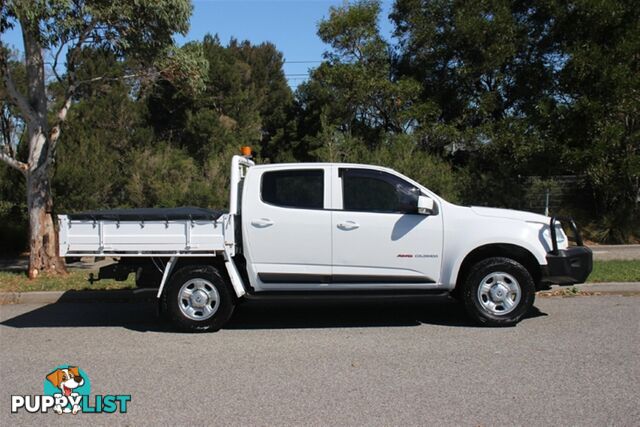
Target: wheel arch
{"type": "Point", "coordinates": [506, 250]}
{"type": "Point", "coordinates": [186, 314]}
{"type": "Point", "coordinates": [218, 262]}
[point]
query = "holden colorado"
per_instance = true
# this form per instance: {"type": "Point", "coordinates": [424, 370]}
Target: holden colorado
{"type": "Point", "coordinates": [325, 230]}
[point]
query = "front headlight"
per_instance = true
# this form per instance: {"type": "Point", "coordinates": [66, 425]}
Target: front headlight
{"type": "Point", "coordinates": [544, 233]}
{"type": "Point", "coordinates": [560, 236]}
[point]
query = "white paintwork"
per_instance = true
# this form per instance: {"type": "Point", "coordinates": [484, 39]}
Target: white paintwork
{"type": "Point", "coordinates": [239, 167]}
{"type": "Point", "coordinates": [107, 237]}
{"type": "Point", "coordinates": [284, 240]}
{"type": "Point", "coordinates": [412, 246]}
{"type": "Point", "coordinates": [327, 242]}
{"type": "Point", "coordinates": [425, 205]}
{"type": "Point", "coordinates": [466, 229]}
{"type": "Point", "coordinates": [386, 244]}
{"type": "Point", "coordinates": [234, 276]}
{"type": "Point", "coordinates": [446, 237]}
{"type": "Point", "coordinates": [165, 275]}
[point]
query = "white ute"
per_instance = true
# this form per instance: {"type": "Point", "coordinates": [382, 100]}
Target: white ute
{"type": "Point", "coordinates": [329, 229]}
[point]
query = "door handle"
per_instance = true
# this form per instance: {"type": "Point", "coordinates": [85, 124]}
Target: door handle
{"type": "Point", "coordinates": [261, 222]}
{"type": "Point", "coordinates": [348, 225]}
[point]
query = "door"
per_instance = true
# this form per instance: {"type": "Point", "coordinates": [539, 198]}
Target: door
{"type": "Point", "coordinates": [287, 230]}
{"type": "Point", "coordinates": [379, 239]}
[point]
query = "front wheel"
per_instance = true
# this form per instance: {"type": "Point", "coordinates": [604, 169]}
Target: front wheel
{"type": "Point", "coordinates": [498, 292]}
{"type": "Point", "coordinates": [198, 299]}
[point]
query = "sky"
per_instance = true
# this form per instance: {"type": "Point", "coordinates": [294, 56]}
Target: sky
{"type": "Point", "coordinates": [290, 25]}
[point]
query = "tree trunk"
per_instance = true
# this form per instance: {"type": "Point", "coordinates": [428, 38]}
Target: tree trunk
{"type": "Point", "coordinates": [43, 236]}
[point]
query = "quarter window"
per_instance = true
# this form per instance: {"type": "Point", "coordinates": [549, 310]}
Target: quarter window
{"type": "Point", "coordinates": [375, 191]}
{"type": "Point", "coordinates": [294, 188]}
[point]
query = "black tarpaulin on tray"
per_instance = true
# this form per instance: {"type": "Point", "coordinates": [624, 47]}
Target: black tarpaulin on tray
{"type": "Point", "coordinates": [149, 214]}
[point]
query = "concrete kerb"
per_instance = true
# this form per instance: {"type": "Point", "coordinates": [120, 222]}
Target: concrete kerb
{"type": "Point", "coordinates": [52, 297]}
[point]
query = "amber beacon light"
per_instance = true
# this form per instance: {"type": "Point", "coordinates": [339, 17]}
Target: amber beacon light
{"type": "Point", "coordinates": [246, 151]}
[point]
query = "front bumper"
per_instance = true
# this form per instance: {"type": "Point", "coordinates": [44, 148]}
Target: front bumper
{"type": "Point", "coordinates": [567, 266]}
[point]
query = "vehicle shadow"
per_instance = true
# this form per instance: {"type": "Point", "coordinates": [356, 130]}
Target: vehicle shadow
{"type": "Point", "coordinates": [348, 314]}
{"type": "Point", "coordinates": [355, 313]}
{"type": "Point", "coordinates": [142, 316]}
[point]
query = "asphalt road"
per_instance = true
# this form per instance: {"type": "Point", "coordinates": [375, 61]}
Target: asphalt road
{"type": "Point", "coordinates": [574, 362]}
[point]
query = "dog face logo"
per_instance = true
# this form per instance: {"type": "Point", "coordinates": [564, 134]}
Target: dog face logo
{"type": "Point", "coordinates": [66, 379]}
{"type": "Point", "coordinates": [68, 384]}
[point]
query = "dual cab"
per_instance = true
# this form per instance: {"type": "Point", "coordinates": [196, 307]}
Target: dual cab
{"type": "Point", "coordinates": [318, 229]}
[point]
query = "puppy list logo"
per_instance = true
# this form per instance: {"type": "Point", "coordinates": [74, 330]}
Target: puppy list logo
{"type": "Point", "coordinates": [67, 391]}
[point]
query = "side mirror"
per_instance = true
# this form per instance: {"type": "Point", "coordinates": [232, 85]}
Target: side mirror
{"type": "Point", "coordinates": [425, 205]}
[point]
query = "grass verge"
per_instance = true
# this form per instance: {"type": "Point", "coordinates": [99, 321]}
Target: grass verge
{"type": "Point", "coordinates": [75, 280]}
{"type": "Point", "coordinates": [615, 271]}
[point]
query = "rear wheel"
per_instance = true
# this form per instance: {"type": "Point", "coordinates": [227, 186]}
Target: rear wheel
{"type": "Point", "coordinates": [498, 292]}
{"type": "Point", "coordinates": [198, 299]}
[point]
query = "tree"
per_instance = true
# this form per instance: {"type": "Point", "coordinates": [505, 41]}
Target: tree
{"type": "Point", "coordinates": [486, 68]}
{"type": "Point", "coordinates": [533, 88]}
{"type": "Point", "coordinates": [245, 102]}
{"type": "Point", "coordinates": [357, 107]}
{"type": "Point", "coordinates": [356, 90]}
{"type": "Point", "coordinates": [271, 91]}
{"type": "Point", "coordinates": [598, 118]}
{"type": "Point", "coordinates": [107, 123]}
{"type": "Point", "coordinates": [140, 31]}
{"type": "Point", "coordinates": [360, 72]}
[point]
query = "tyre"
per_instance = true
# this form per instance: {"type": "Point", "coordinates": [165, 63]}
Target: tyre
{"type": "Point", "coordinates": [498, 292]}
{"type": "Point", "coordinates": [456, 294]}
{"type": "Point", "coordinates": [197, 299]}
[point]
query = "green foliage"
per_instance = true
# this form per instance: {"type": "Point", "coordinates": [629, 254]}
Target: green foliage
{"type": "Point", "coordinates": [272, 95]}
{"type": "Point", "coordinates": [135, 29]}
{"type": "Point", "coordinates": [398, 152]}
{"type": "Point", "coordinates": [162, 176]}
{"type": "Point", "coordinates": [171, 145]}
{"type": "Point", "coordinates": [601, 78]}
{"type": "Point", "coordinates": [402, 154]}
{"type": "Point", "coordinates": [244, 102]}
{"type": "Point", "coordinates": [533, 89]}
{"type": "Point", "coordinates": [361, 94]}
{"type": "Point", "coordinates": [13, 212]}
{"type": "Point", "coordinates": [185, 67]}
{"type": "Point", "coordinates": [353, 33]}
{"type": "Point", "coordinates": [356, 108]}
{"type": "Point", "coordinates": [102, 129]}
{"type": "Point", "coordinates": [537, 190]}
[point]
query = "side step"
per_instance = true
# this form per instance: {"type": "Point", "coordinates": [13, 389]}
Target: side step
{"type": "Point", "coordinates": [342, 295]}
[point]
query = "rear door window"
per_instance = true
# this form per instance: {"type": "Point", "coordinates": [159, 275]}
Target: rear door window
{"type": "Point", "coordinates": [302, 188]}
